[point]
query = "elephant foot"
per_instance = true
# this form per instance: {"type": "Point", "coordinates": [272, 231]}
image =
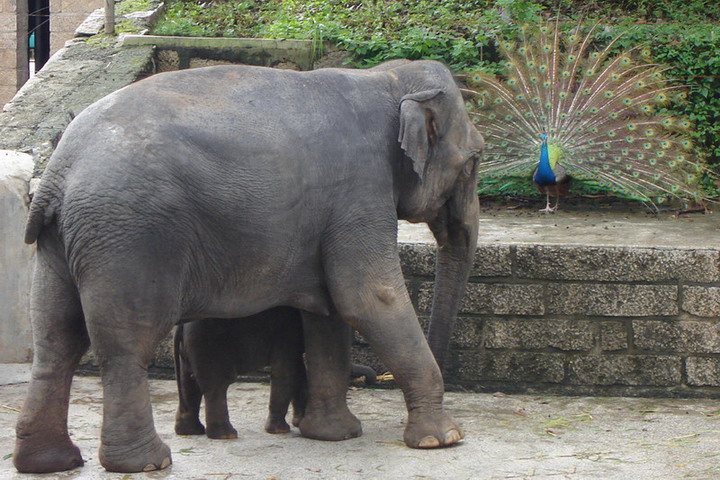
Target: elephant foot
{"type": "Point", "coordinates": [431, 430]}
{"type": "Point", "coordinates": [46, 456]}
{"type": "Point", "coordinates": [332, 426]}
{"type": "Point", "coordinates": [145, 457]}
{"type": "Point", "coordinates": [296, 420]}
{"type": "Point", "coordinates": [276, 425]}
{"type": "Point", "coordinates": [221, 431]}
{"type": "Point", "coordinates": [189, 426]}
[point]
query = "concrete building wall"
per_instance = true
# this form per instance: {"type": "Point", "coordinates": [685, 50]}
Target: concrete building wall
{"type": "Point", "coordinates": [13, 60]}
{"type": "Point", "coordinates": [65, 16]}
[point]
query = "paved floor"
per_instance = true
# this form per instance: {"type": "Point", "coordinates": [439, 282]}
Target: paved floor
{"type": "Point", "coordinates": [508, 437]}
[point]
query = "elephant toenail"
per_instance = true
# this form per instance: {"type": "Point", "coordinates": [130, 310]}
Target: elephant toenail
{"type": "Point", "coordinates": [429, 442]}
{"type": "Point", "coordinates": [166, 463]}
{"type": "Point", "coordinates": [150, 467]}
{"type": "Point", "coordinates": [453, 436]}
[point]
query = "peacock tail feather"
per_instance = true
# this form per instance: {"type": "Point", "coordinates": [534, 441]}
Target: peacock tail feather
{"type": "Point", "coordinates": [602, 111]}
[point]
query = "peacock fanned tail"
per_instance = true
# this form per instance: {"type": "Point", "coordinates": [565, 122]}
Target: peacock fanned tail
{"type": "Point", "coordinates": [600, 110]}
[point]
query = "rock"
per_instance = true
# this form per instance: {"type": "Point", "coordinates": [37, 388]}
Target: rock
{"type": "Point", "coordinates": [16, 169]}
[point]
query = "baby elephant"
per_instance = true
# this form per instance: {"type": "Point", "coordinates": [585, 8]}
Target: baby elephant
{"type": "Point", "coordinates": [211, 353]}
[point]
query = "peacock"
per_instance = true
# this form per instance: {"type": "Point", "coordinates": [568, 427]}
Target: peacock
{"type": "Point", "coordinates": [564, 111]}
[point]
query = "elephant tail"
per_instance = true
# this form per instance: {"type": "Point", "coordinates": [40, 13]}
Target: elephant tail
{"type": "Point", "coordinates": [44, 209]}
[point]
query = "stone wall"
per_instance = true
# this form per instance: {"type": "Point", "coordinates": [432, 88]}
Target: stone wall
{"type": "Point", "coordinates": [582, 319]}
{"type": "Point", "coordinates": [572, 319]}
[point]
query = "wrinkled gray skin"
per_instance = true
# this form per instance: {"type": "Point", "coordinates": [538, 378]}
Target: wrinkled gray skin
{"type": "Point", "coordinates": [225, 191]}
{"type": "Point", "coordinates": [211, 353]}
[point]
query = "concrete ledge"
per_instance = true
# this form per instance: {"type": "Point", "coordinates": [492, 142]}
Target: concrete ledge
{"type": "Point", "coordinates": [251, 51]}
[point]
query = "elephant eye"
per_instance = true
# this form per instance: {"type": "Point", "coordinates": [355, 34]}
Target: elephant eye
{"type": "Point", "coordinates": [470, 165]}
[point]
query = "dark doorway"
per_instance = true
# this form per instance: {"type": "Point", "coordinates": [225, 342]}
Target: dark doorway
{"type": "Point", "coordinates": [39, 32]}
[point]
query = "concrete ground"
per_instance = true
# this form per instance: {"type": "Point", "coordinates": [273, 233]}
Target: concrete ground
{"type": "Point", "coordinates": [507, 437]}
{"type": "Point", "coordinates": [582, 221]}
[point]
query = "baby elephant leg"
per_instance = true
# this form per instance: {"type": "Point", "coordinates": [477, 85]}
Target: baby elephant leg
{"type": "Point", "coordinates": [187, 418]}
{"type": "Point", "coordinates": [288, 373]}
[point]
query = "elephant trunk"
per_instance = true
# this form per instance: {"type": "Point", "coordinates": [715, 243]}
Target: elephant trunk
{"type": "Point", "coordinates": [456, 231]}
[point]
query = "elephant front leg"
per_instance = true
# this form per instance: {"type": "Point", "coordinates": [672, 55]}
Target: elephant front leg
{"type": "Point", "coordinates": [371, 295]}
{"type": "Point", "coordinates": [327, 355]}
{"type": "Point", "coordinates": [391, 328]}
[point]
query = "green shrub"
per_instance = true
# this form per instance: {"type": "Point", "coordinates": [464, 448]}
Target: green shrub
{"type": "Point", "coordinates": [460, 33]}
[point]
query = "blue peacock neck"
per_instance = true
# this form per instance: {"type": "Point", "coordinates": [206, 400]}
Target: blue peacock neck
{"type": "Point", "coordinates": [544, 175]}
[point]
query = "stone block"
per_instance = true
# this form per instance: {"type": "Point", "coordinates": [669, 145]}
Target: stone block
{"type": "Point", "coordinates": [92, 24]}
{"type": "Point", "coordinates": [568, 335]}
{"type": "Point", "coordinates": [703, 371]}
{"type": "Point", "coordinates": [495, 298]}
{"type": "Point", "coordinates": [490, 260]}
{"type": "Point", "coordinates": [613, 336]}
{"type": "Point", "coordinates": [468, 333]}
{"type": "Point", "coordinates": [163, 357]}
{"type": "Point", "coordinates": [15, 258]}
{"type": "Point", "coordinates": [417, 259]}
{"type": "Point", "coordinates": [621, 264]}
{"type": "Point", "coordinates": [613, 300]}
{"type": "Point", "coordinates": [634, 370]}
{"type": "Point", "coordinates": [701, 301]}
{"type": "Point", "coordinates": [510, 367]}
{"type": "Point", "coordinates": [676, 336]}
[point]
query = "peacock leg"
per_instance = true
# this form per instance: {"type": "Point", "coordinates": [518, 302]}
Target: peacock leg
{"type": "Point", "coordinates": [548, 208]}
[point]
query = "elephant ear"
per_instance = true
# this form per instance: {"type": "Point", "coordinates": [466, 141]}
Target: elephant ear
{"type": "Point", "coordinates": [418, 130]}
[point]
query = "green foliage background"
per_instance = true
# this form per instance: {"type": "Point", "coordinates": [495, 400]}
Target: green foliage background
{"type": "Point", "coordinates": [685, 34]}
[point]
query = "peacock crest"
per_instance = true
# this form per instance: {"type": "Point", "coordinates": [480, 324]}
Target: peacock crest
{"type": "Point", "coordinates": [588, 115]}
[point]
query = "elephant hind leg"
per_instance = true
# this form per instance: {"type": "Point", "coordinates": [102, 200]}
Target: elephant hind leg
{"type": "Point", "coordinates": [60, 339]}
{"type": "Point", "coordinates": [126, 321]}
{"type": "Point", "coordinates": [327, 354]}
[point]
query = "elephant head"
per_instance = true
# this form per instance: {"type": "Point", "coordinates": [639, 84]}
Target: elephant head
{"type": "Point", "coordinates": [442, 148]}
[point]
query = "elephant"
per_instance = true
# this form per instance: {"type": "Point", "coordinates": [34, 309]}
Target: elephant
{"type": "Point", "coordinates": [224, 191]}
{"type": "Point", "coordinates": [209, 355]}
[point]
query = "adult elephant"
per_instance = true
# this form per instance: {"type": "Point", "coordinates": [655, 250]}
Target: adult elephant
{"type": "Point", "coordinates": [225, 191]}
